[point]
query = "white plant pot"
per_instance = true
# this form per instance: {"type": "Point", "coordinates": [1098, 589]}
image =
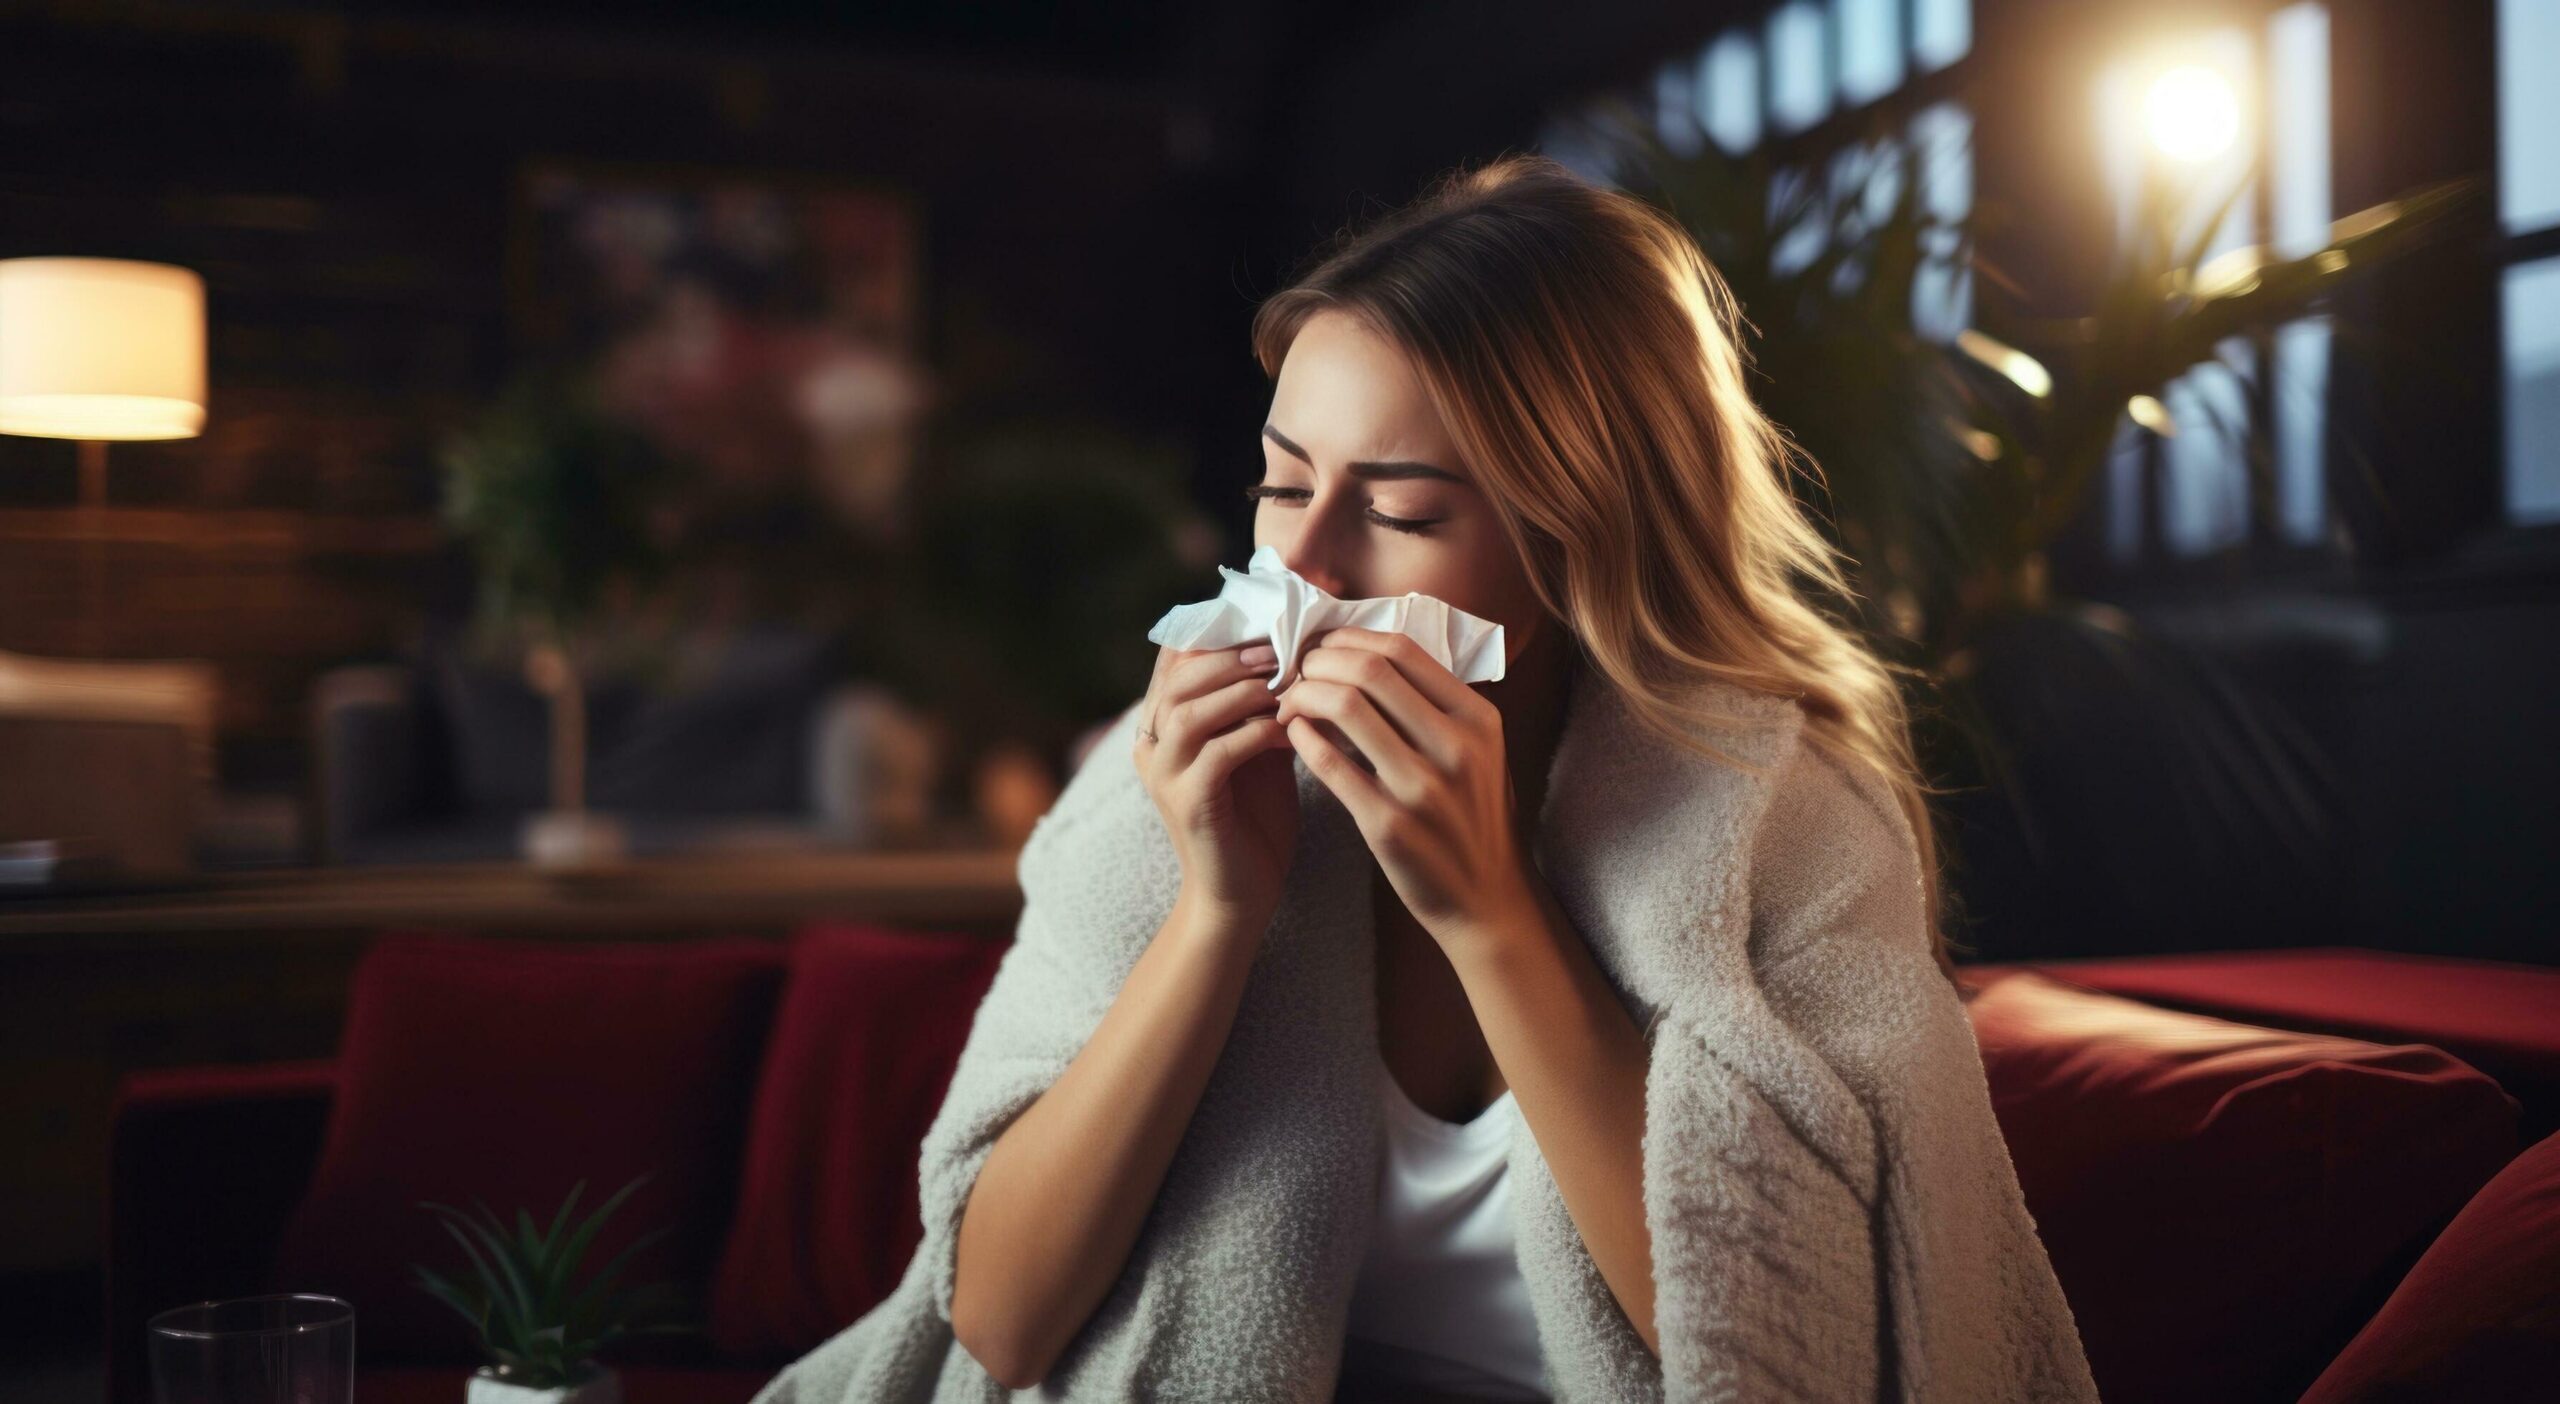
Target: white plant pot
{"type": "Point", "coordinates": [573, 839]}
{"type": "Point", "coordinates": [604, 1386]}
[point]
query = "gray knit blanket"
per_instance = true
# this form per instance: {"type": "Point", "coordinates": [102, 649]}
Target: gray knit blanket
{"type": "Point", "coordinates": [1833, 1213]}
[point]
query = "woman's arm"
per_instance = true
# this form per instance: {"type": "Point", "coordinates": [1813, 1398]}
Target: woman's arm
{"type": "Point", "coordinates": [1443, 819]}
{"type": "Point", "coordinates": [1576, 1065]}
{"type": "Point", "coordinates": [1056, 1207]}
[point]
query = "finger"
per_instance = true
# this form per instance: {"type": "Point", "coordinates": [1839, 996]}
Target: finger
{"type": "Point", "coordinates": [1147, 700]}
{"type": "Point", "coordinates": [1221, 754]}
{"type": "Point", "coordinates": [1424, 726]}
{"type": "Point", "coordinates": [1205, 671]}
{"type": "Point", "coordinates": [1369, 805]}
{"type": "Point", "coordinates": [1429, 676]}
{"type": "Point", "coordinates": [1401, 769]}
{"type": "Point", "coordinates": [1188, 725]}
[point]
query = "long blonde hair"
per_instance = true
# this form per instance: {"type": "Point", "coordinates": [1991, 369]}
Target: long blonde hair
{"type": "Point", "coordinates": [1586, 359]}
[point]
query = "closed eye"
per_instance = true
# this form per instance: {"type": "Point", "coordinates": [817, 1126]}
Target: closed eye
{"type": "Point", "coordinates": [1411, 525]}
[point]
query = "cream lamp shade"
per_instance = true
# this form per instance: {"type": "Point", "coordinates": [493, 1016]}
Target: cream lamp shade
{"type": "Point", "coordinates": [100, 348]}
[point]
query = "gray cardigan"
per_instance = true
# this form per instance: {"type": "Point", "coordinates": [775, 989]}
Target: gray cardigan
{"type": "Point", "coordinates": [1833, 1212]}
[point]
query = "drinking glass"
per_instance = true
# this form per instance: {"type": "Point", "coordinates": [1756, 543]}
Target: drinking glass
{"type": "Point", "coordinates": [292, 1348]}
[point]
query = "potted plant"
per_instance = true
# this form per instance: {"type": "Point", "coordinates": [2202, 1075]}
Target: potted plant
{"type": "Point", "coordinates": [1038, 550]}
{"type": "Point", "coordinates": [570, 516]}
{"type": "Point", "coordinates": [1947, 467]}
{"type": "Point", "coordinates": [541, 1329]}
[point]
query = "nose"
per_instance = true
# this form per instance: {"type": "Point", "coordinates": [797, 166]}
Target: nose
{"type": "Point", "coordinates": [1308, 558]}
{"type": "Point", "coordinates": [1321, 540]}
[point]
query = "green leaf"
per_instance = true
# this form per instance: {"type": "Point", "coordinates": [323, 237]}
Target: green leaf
{"type": "Point", "coordinates": [520, 1297]}
{"type": "Point", "coordinates": [523, 1310]}
{"type": "Point", "coordinates": [504, 1324]}
{"type": "Point", "coordinates": [586, 1232]}
{"type": "Point", "coordinates": [472, 1309]}
{"type": "Point", "coordinates": [2201, 239]}
{"type": "Point", "coordinates": [559, 1221]}
{"type": "Point", "coordinates": [597, 1292]}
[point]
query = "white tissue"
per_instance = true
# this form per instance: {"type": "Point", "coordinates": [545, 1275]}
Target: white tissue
{"type": "Point", "coordinates": [1267, 600]}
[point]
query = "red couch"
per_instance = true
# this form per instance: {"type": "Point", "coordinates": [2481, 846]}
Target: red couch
{"type": "Point", "coordinates": [2266, 1174]}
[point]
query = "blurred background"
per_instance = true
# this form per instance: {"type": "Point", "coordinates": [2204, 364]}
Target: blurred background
{"type": "Point", "coordinates": [659, 469]}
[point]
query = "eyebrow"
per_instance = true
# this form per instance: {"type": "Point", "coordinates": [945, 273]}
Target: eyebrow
{"type": "Point", "coordinates": [1368, 470]}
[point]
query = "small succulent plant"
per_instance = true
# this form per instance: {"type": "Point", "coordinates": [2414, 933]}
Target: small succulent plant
{"type": "Point", "coordinates": [537, 1326]}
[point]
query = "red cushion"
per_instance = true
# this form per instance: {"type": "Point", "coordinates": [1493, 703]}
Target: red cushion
{"type": "Point", "coordinates": [2479, 1317]}
{"type": "Point", "coordinates": [511, 1070]}
{"type": "Point", "coordinates": [2224, 1203]}
{"type": "Point", "coordinates": [828, 1215]}
{"type": "Point", "coordinates": [2499, 1017]}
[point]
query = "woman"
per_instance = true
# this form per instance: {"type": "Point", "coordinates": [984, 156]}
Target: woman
{"type": "Point", "coordinates": [1583, 1035]}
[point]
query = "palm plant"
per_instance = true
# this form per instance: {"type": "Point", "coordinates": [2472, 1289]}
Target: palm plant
{"type": "Point", "coordinates": [1948, 467]}
{"type": "Point", "coordinates": [1951, 465]}
{"type": "Point", "coordinates": [2164, 311]}
{"type": "Point", "coordinates": [1826, 268]}
{"type": "Point", "coordinates": [539, 1326]}
{"type": "Point", "coordinates": [570, 516]}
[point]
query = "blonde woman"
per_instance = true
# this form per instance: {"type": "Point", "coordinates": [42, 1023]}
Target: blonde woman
{"type": "Point", "coordinates": [1584, 1035]}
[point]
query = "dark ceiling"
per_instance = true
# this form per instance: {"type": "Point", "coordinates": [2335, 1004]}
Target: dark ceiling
{"type": "Point", "coordinates": [1127, 41]}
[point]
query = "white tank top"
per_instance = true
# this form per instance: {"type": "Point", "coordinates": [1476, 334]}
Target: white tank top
{"type": "Point", "coordinates": [1440, 1303]}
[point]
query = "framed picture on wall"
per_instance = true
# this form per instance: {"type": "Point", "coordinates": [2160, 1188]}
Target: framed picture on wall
{"type": "Point", "coordinates": [763, 325]}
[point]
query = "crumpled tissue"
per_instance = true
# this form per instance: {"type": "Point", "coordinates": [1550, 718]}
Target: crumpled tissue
{"type": "Point", "coordinates": [1267, 600]}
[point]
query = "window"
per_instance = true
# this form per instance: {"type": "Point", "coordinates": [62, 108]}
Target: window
{"type": "Point", "coordinates": [1799, 71]}
{"type": "Point", "coordinates": [1675, 103]}
{"type": "Point", "coordinates": [1730, 104]}
{"type": "Point", "coordinates": [2529, 214]}
{"type": "Point", "coordinates": [2179, 472]}
{"type": "Point", "coordinates": [1800, 66]}
{"type": "Point", "coordinates": [1941, 31]}
{"type": "Point", "coordinates": [1942, 141]}
{"type": "Point", "coordinates": [2301, 210]}
{"type": "Point", "coordinates": [1872, 55]}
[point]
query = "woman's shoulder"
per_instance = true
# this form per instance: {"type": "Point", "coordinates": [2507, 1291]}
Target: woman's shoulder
{"type": "Point", "coordinates": [1801, 809]}
{"type": "Point", "coordinates": [1820, 787]}
{"type": "Point", "coordinates": [1835, 854]}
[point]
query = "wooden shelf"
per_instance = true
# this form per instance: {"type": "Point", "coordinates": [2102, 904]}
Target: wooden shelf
{"type": "Point", "coordinates": [229, 529]}
{"type": "Point", "coordinates": [966, 890]}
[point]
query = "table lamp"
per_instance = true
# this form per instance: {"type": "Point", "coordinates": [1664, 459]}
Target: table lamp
{"type": "Point", "coordinates": [98, 349]}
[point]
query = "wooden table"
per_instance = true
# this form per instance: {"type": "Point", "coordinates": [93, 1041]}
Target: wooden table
{"type": "Point", "coordinates": [252, 967]}
{"type": "Point", "coordinates": [691, 895]}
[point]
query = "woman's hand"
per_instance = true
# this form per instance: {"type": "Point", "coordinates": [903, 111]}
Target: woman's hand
{"type": "Point", "coordinates": [1434, 800]}
{"type": "Point", "coordinates": [1217, 764]}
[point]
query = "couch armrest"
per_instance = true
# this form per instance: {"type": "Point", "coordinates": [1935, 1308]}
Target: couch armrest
{"type": "Point", "coordinates": [205, 1166]}
{"type": "Point", "coordinates": [365, 753]}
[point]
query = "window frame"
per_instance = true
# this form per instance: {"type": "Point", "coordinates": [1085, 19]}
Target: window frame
{"type": "Point", "coordinates": [2263, 553]}
{"type": "Point", "coordinates": [2513, 250]}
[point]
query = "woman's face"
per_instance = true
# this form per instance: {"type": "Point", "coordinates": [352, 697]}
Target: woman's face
{"type": "Point", "coordinates": [1363, 493]}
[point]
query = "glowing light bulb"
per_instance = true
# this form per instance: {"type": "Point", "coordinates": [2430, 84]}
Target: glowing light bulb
{"type": "Point", "coordinates": [2191, 113]}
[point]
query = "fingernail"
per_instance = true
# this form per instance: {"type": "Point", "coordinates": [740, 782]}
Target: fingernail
{"type": "Point", "coordinates": [1258, 656]}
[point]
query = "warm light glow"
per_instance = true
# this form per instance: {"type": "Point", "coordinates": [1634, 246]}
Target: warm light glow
{"type": "Point", "coordinates": [100, 348]}
{"type": "Point", "coordinates": [2191, 113]}
{"type": "Point", "coordinates": [2023, 370]}
{"type": "Point", "coordinates": [2230, 274]}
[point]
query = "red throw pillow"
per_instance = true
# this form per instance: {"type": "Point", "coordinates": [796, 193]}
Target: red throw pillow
{"type": "Point", "coordinates": [871, 1028]}
{"type": "Point", "coordinates": [510, 1070]}
{"type": "Point", "coordinates": [2478, 1318]}
{"type": "Point", "coordinates": [2222, 1202]}
{"type": "Point", "coordinates": [2500, 1017]}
